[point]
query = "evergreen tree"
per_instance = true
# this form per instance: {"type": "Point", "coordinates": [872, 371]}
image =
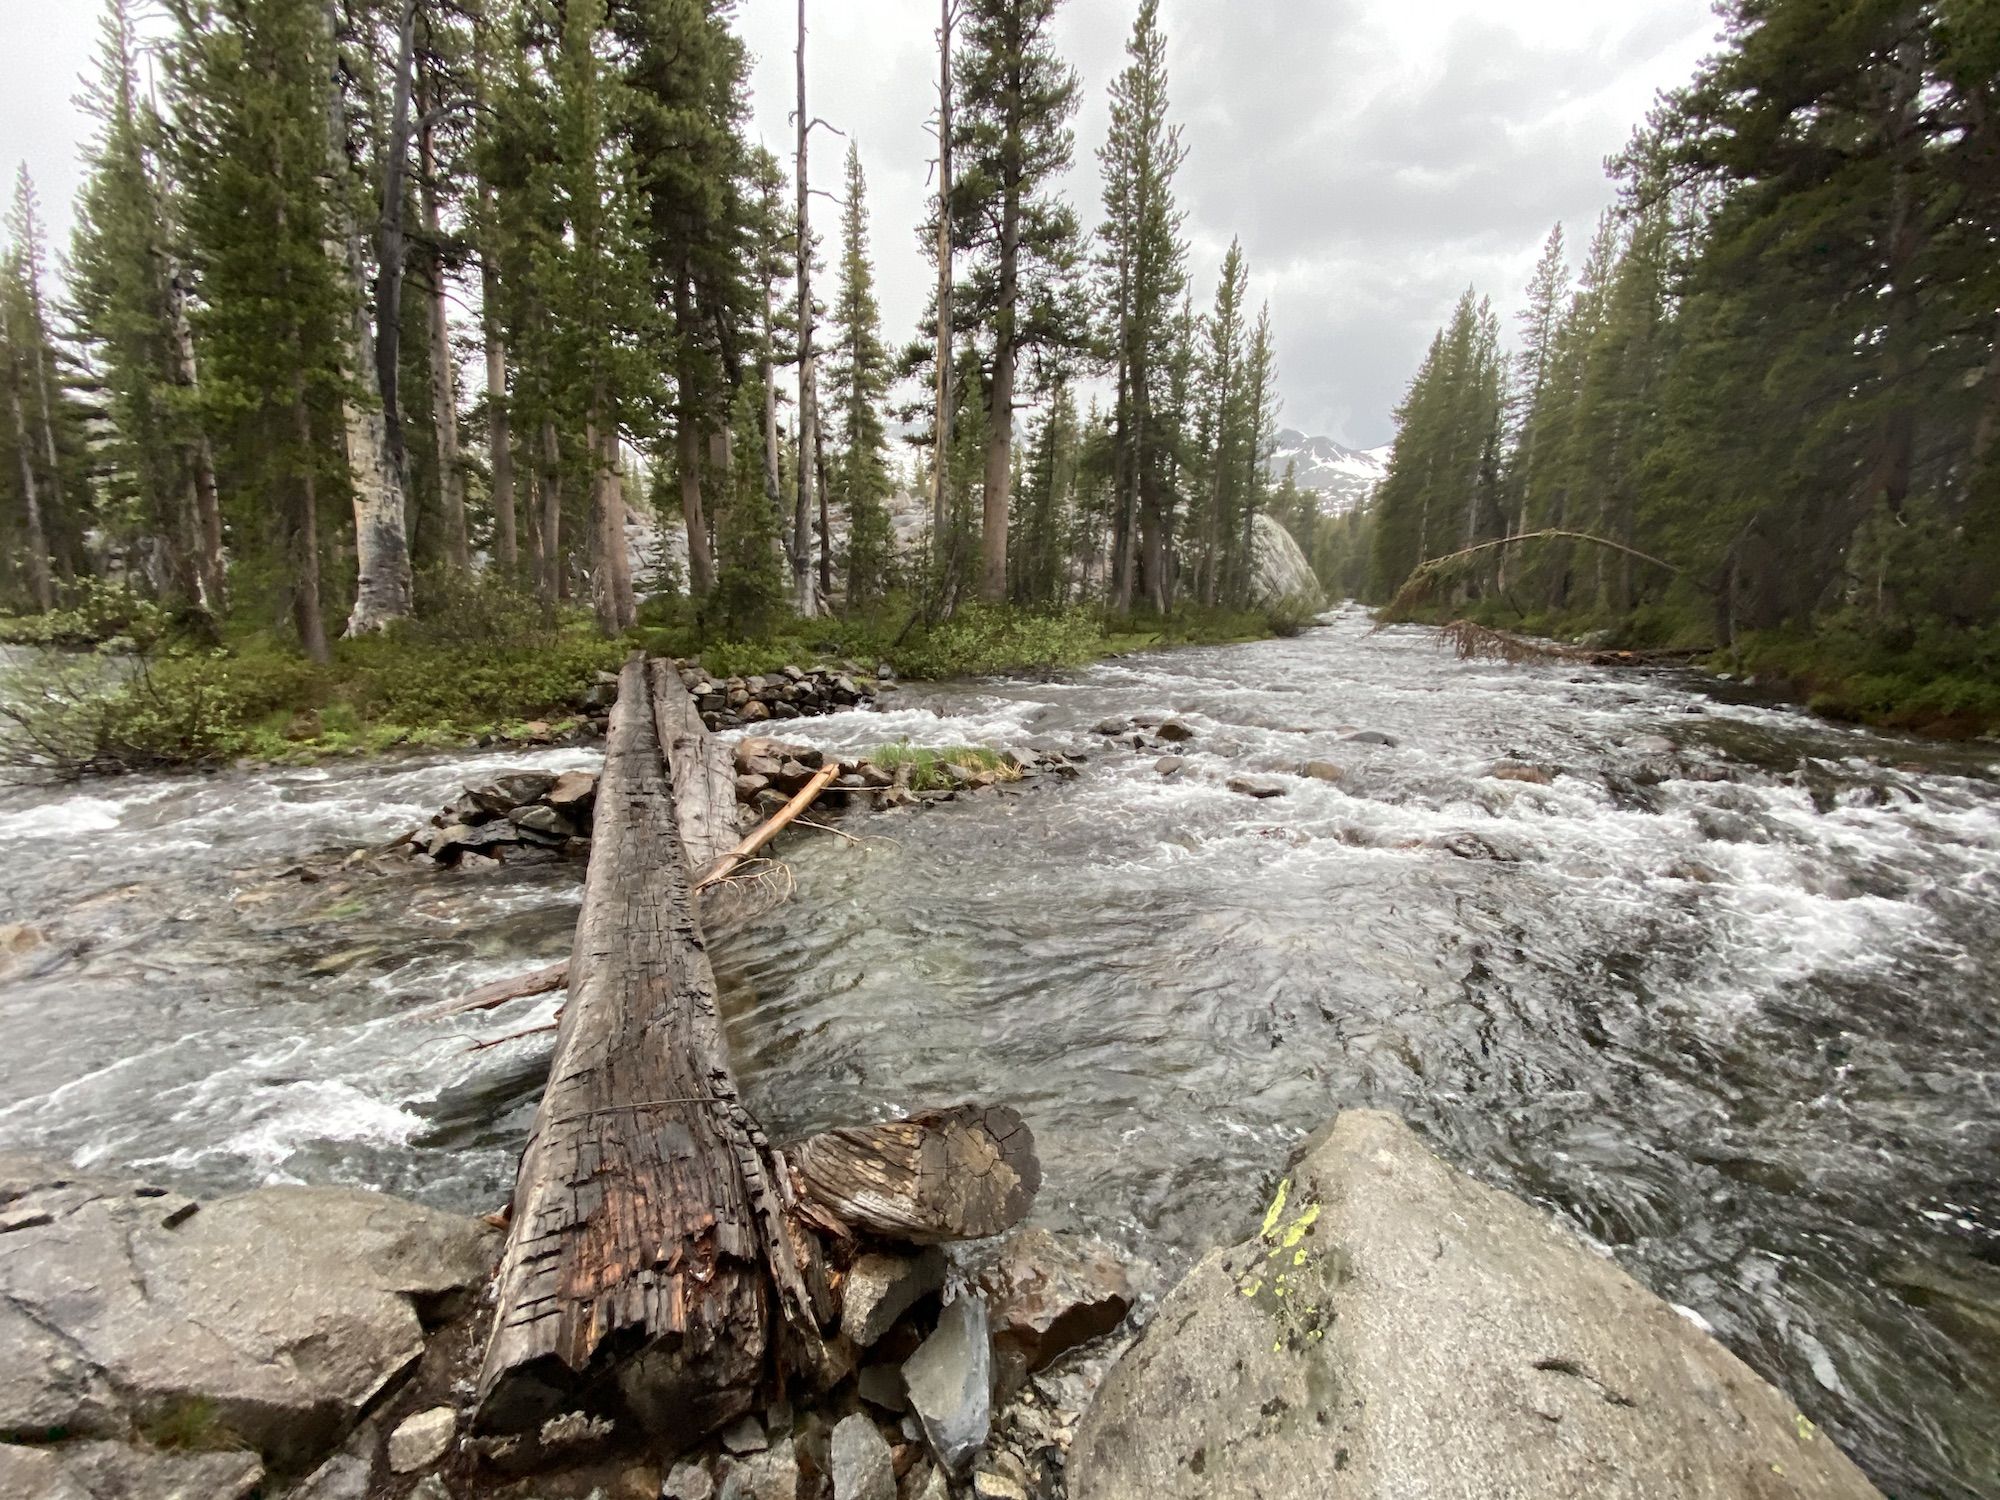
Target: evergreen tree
{"type": "Point", "coordinates": [858, 383]}
{"type": "Point", "coordinates": [1145, 268]}
{"type": "Point", "coordinates": [1012, 142]}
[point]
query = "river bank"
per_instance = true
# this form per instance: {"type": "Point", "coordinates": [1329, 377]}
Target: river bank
{"type": "Point", "coordinates": [1725, 1009]}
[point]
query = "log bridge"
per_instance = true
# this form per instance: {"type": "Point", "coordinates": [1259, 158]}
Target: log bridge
{"type": "Point", "coordinates": [665, 1262]}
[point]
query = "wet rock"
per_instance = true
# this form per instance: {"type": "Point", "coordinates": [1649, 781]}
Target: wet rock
{"type": "Point", "coordinates": [1374, 737]}
{"type": "Point", "coordinates": [573, 795]}
{"type": "Point", "coordinates": [1420, 1333]}
{"type": "Point", "coordinates": [746, 1437]}
{"type": "Point", "coordinates": [755, 712]}
{"type": "Point", "coordinates": [1263, 791]}
{"type": "Point", "coordinates": [1323, 770]}
{"type": "Point", "coordinates": [1651, 744]}
{"type": "Point", "coordinates": [1170, 765]}
{"type": "Point", "coordinates": [512, 789]}
{"type": "Point", "coordinates": [688, 1481]}
{"type": "Point", "coordinates": [1474, 846]}
{"type": "Point", "coordinates": [862, 1467]}
{"type": "Point", "coordinates": [128, 1303]}
{"type": "Point", "coordinates": [950, 1381]}
{"type": "Point", "coordinates": [930, 1485]}
{"type": "Point", "coordinates": [119, 1471]}
{"type": "Point", "coordinates": [422, 1440]}
{"type": "Point", "coordinates": [1112, 728]}
{"type": "Point", "coordinates": [1045, 1295]}
{"type": "Point", "coordinates": [1174, 732]}
{"type": "Point", "coordinates": [1514, 770]}
{"type": "Point", "coordinates": [770, 1475]}
{"type": "Point", "coordinates": [881, 1288]}
{"type": "Point", "coordinates": [544, 820]}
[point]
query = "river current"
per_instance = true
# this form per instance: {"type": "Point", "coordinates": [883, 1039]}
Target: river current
{"type": "Point", "coordinates": [1728, 1007]}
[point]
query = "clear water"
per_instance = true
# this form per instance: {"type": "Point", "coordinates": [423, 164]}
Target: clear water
{"type": "Point", "coordinates": [1730, 1010]}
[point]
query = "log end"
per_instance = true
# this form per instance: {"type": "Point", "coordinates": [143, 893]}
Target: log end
{"type": "Point", "coordinates": [965, 1173]}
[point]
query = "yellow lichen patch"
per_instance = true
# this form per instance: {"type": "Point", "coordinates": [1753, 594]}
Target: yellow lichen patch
{"type": "Point", "coordinates": [1807, 1432]}
{"type": "Point", "coordinates": [1277, 1210]}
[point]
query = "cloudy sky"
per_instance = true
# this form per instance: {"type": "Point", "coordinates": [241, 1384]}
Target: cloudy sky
{"type": "Point", "coordinates": [1375, 156]}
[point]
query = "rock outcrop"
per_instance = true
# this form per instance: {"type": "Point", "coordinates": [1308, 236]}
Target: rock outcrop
{"type": "Point", "coordinates": [1399, 1330]}
{"type": "Point", "coordinates": [1280, 575]}
{"type": "Point", "coordinates": [272, 1319]}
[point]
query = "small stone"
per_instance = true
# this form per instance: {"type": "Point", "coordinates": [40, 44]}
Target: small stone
{"type": "Point", "coordinates": [771, 1475]}
{"type": "Point", "coordinates": [747, 1436]}
{"type": "Point", "coordinates": [1323, 770]}
{"type": "Point", "coordinates": [863, 1467]}
{"type": "Point", "coordinates": [747, 787]}
{"type": "Point", "coordinates": [993, 1486]}
{"type": "Point", "coordinates": [1174, 732]}
{"type": "Point", "coordinates": [1513, 770]}
{"type": "Point", "coordinates": [1652, 744]}
{"type": "Point", "coordinates": [1263, 791]}
{"type": "Point", "coordinates": [933, 1486]}
{"type": "Point", "coordinates": [1170, 765]}
{"type": "Point", "coordinates": [543, 820]}
{"type": "Point", "coordinates": [1048, 1294]}
{"type": "Point", "coordinates": [573, 793]}
{"type": "Point", "coordinates": [431, 1488]}
{"type": "Point", "coordinates": [881, 1288]}
{"type": "Point", "coordinates": [513, 789]}
{"type": "Point", "coordinates": [688, 1482]}
{"type": "Point", "coordinates": [755, 712]}
{"type": "Point", "coordinates": [1374, 737]}
{"type": "Point", "coordinates": [422, 1440]}
{"type": "Point", "coordinates": [1112, 728]}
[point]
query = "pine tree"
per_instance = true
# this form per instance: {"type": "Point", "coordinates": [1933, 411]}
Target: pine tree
{"type": "Point", "coordinates": [251, 108]}
{"type": "Point", "coordinates": [1013, 142]}
{"type": "Point", "coordinates": [858, 383]}
{"type": "Point", "coordinates": [1145, 266]}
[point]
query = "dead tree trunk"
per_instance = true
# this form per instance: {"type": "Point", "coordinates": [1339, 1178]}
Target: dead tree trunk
{"type": "Point", "coordinates": [634, 1274]}
{"type": "Point", "coordinates": [661, 1251]}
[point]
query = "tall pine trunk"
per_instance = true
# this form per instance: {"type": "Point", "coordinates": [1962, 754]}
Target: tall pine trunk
{"type": "Point", "coordinates": [500, 443]}
{"type": "Point", "coordinates": [302, 544]}
{"type": "Point", "coordinates": [550, 552]}
{"type": "Point", "coordinates": [383, 587]}
{"type": "Point", "coordinates": [39, 582]}
{"type": "Point", "coordinates": [444, 371]}
{"type": "Point", "coordinates": [804, 592]}
{"type": "Point", "coordinates": [941, 448]}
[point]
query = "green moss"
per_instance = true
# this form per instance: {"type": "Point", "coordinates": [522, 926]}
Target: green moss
{"type": "Point", "coordinates": [927, 768]}
{"type": "Point", "coordinates": [190, 1426]}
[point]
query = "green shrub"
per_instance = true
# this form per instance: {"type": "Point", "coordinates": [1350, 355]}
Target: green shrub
{"type": "Point", "coordinates": [926, 768]}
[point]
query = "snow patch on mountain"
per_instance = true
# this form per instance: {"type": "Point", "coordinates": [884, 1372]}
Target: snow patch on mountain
{"type": "Point", "coordinates": [1342, 477]}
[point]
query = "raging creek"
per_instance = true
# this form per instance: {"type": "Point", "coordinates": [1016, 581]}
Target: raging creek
{"type": "Point", "coordinates": [1728, 1005]}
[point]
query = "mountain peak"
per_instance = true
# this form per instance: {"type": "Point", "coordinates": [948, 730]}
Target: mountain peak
{"type": "Point", "coordinates": [1343, 477]}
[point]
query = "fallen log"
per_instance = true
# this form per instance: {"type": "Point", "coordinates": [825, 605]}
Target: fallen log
{"type": "Point", "coordinates": [634, 1274]}
{"type": "Point", "coordinates": [663, 1259]}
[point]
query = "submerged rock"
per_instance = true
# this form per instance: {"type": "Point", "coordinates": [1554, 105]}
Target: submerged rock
{"type": "Point", "coordinates": [950, 1381]}
{"type": "Point", "coordinates": [1263, 791]}
{"type": "Point", "coordinates": [1174, 732]}
{"type": "Point", "coordinates": [1401, 1330]}
{"type": "Point", "coordinates": [1323, 770]}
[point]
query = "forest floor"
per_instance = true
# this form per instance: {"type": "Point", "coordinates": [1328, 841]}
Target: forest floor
{"type": "Point", "coordinates": [1932, 682]}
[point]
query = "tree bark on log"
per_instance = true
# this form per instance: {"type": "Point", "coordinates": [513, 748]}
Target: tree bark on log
{"type": "Point", "coordinates": [956, 1174]}
{"type": "Point", "coordinates": [634, 1276]}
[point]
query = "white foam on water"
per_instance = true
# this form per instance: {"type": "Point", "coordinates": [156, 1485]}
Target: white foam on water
{"type": "Point", "coordinates": [73, 815]}
{"type": "Point", "coordinates": [290, 1117]}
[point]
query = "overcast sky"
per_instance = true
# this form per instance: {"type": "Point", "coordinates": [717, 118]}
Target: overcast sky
{"type": "Point", "coordinates": [1375, 156]}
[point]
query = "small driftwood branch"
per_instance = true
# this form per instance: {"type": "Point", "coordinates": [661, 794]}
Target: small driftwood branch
{"type": "Point", "coordinates": [751, 846]}
{"type": "Point", "coordinates": [500, 992]}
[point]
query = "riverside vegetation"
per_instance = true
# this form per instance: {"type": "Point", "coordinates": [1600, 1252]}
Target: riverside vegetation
{"type": "Point", "coordinates": [243, 433]}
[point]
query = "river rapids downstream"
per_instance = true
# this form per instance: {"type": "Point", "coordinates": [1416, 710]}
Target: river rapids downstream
{"type": "Point", "coordinates": [1729, 1008]}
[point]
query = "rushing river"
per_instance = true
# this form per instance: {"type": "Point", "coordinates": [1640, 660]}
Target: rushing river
{"type": "Point", "coordinates": [1730, 1008]}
